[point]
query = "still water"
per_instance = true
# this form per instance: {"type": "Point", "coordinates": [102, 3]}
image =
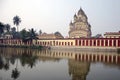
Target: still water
{"type": "Point", "coordinates": [33, 64]}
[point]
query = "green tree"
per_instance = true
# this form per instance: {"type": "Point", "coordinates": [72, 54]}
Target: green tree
{"type": "Point", "coordinates": [1, 28]}
{"type": "Point", "coordinates": [13, 30]}
{"type": "Point", "coordinates": [7, 27]}
{"type": "Point", "coordinates": [16, 21]}
{"type": "Point", "coordinates": [15, 34]}
{"type": "Point", "coordinates": [24, 34]}
{"type": "Point", "coordinates": [33, 34]}
{"type": "Point", "coordinates": [40, 32]}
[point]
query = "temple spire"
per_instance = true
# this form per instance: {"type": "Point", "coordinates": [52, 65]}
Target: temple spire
{"type": "Point", "coordinates": [81, 12]}
{"type": "Point", "coordinates": [80, 28]}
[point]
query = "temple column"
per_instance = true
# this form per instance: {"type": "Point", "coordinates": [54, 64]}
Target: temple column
{"type": "Point", "coordinates": [92, 42]}
{"type": "Point", "coordinates": [116, 43]}
{"type": "Point", "coordinates": [81, 42]}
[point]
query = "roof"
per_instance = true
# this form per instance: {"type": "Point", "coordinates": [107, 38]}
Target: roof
{"type": "Point", "coordinates": [112, 33]}
{"type": "Point", "coordinates": [50, 36]}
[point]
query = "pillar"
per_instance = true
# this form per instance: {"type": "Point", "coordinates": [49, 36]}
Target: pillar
{"type": "Point", "coordinates": [81, 42]}
{"type": "Point", "coordinates": [116, 43]}
{"type": "Point", "coordinates": [92, 42]}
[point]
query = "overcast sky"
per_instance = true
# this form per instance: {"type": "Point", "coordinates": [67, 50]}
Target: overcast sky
{"type": "Point", "coordinates": [55, 15]}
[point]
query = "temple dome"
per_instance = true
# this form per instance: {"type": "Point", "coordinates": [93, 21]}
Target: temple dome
{"type": "Point", "coordinates": [80, 27]}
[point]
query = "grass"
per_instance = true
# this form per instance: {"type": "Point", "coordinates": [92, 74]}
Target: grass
{"type": "Point", "coordinates": [23, 46]}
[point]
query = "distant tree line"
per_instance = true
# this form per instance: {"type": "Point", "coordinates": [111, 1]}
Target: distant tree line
{"type": "Point", "coordinates": [6, 29]}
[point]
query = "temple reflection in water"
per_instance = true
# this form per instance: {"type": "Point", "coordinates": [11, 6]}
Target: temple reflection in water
{"type": "Point", "coordinates": [78, 62]}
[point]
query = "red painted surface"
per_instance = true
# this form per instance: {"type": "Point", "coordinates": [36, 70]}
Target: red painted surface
{"type": "Point", "coordinates": [83, 42]}
{"type": "Point", "coordinates": [110, 42]}
{"type": "Point", "coordinates": [76, 42]}
{"type": "Point", "coordinates": [86, 42]}
{"type": "Point", "coordinates": [79, 42]}
{"type": "Point", "coordinates": [119, 42]}
{"type": "Point", "coordinates": [96, 42]}
{"type": "Point", "coordinates": [90, 42]}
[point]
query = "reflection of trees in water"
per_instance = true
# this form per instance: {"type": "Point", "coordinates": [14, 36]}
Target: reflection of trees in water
{"type": "Point", "coordinates": [12, 59]}
{"type": "Point", "coordinates": [78, 70]}
{"type": "Point", "coordinates": [28, 59]}
{"type": "Point", "coordinates": [26, 56]}
{"type": "Point", "coordinates": [11, 56]}
{"type": "Point", "coordinates": [1, 63]}
{"type": "Point", "coordinates": [25, 59]}
{"type": "Point", "coordinates": [15, 73]}
{"type": "Point", "coordinates": [4, 63]}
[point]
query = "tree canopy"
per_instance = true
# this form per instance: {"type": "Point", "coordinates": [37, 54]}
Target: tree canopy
{"type": "Point", "coordinates": [16, 21]}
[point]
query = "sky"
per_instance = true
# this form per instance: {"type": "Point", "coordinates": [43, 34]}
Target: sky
{"type": "Point", "coordinates": [55, 15]}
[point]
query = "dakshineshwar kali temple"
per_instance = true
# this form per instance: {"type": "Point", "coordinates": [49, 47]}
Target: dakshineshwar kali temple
{"type": "Point", "coordinates": [79, 37]}
{"type": "Point", "coordinates": [79, 27]}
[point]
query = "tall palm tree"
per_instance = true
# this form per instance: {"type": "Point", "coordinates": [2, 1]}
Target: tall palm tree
{"type": "Point", "coordinates": [16, 21]}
